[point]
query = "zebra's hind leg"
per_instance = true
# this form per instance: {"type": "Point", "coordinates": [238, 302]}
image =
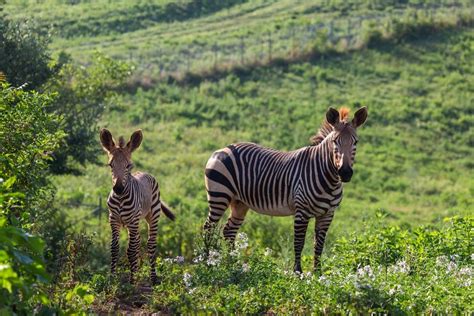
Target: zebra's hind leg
{"type": "Point", "coordinates": [218, 204]}
{"type": "Point", "coordinates": [133, 249]}
{"type": "Point", "coordinates": [152, 220]}
{"type": "Point", "coordinates": [236, 218]}
{"type": "Point", "coordinates": [300, 226]}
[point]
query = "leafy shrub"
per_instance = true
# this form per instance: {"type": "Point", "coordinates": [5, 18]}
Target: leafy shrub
{"type": "Point", "coordinates": [28, 135]}
{"type": "Point", "coordinates": [82, 94]}
{"type": "Point", "coordinates": [24, 57]}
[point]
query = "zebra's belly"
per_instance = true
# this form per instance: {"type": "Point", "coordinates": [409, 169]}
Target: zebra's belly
{"type": "Point", "coordinates": [277, 210]}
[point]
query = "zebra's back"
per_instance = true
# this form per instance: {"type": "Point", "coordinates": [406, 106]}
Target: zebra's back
{"type": "Point", "coordinates": [262, 178]}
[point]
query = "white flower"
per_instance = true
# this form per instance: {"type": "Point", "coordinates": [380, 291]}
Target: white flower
{"type": "Point", "coordinates": [399, 267]}
{"type": "Point", "coordinates": [187, 279]}
{"type": "Point", "coordinates": [1, 180]}
{"type": "Point", "coordinates": [242, 241]}
{"type": "Point", "coordinates": [365, 272]}
{"type": "Point", "coordinates": [324, 280]}
{"type": "Point", "coordinates": [454, 257]}
{"type": "Point", "coordinates": [191, 291]}
{"type": "Point", "coordinates": [198, 259]}
{"type": "Point", "coordinates": [442, 260]}
{"type": "Point", "coordinates": [245, 267]}
{"type": "Point", "coordinates": [465, 276]}
{"type": "Point", "coordinates": [472, 256]}
{"type": "Point", "coordinates": [394, 290]}
{"type": "Point", "coordinates": [452, 266]}
{"type": "Point", "coordinates": [234, 253]}
{"type": "Point", "coordinates": [168, 260]}
{"type": "Point", "coordinates": [214, 258]}
{"type": "Point", "coordinates": [179, 259]}
{"type": "Point", "coordinates": [267, 252]}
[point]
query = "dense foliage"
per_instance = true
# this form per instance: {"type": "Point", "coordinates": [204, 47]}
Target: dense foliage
{"type": "Point", "coordinates": [28, 134]}
{"type": "Point", "coordinates": [83, 93]}
{"type": "Point", "coordinates": [385, 269]}
{"type": "Point", "coordinates": [24, 57]}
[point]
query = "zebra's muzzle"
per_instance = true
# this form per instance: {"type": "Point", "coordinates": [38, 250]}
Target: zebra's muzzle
{"type": "Point", "coordinates": [345, 174]}
{"type": "Point", "coordinates": [118, 188]}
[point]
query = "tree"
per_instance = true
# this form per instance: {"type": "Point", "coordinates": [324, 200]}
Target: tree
{"type": "Point", "coordinates": [24, 54]}
{"type": "Point", "coordinates": [82, 94]}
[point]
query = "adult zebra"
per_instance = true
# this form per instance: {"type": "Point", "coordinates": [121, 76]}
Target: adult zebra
{"type": "Point", "coordinates": [304, 183]}
{"type": "Point", "coordinates": [132, 197]}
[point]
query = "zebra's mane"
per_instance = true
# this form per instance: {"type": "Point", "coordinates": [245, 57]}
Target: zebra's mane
{"type": "Point", "coordinates": [121, 142]}
{"type": "Point", "coordinates": [327, 128]}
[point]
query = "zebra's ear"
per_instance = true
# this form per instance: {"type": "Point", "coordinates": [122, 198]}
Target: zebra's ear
{"type": "Point", "coordinates": [106, 140]}
{"type": "Point", "coordinates": [332, 116]}
{"type": "Point", "coordinates": [135, 140]}
{"type": "Point", "coordinates": [359, 117]}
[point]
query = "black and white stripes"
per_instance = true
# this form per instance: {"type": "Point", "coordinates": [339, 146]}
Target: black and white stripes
{"type": "Point", "coordinates": [133, 197]}
{"type": "Point", "coordinates": [304, 183]}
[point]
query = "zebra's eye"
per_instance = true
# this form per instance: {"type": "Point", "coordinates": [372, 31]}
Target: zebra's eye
{"type": "Point", "coordinates": [355, 143]}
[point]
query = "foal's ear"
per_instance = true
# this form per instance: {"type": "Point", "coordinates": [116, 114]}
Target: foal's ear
{"type": "Point", "coordinates": [106, 140]}
{"type": "Point", "coordinates": [135, 140]}
{"type": "Point", "coordinates": [332, 116]}
{"type": "Point", "coordinates": [359, 117]}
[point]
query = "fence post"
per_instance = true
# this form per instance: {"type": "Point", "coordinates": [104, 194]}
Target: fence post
{"type": "Point", "coordinates": [242, 50]}
{"type": "Point", "coordinates": [331, 31]}
{"type": "Point", "coordinates": [215, 49]}
{"type": "Point", "coordinates": [99, 210]}
{"type": "Point", "coordinates": [269, 46]}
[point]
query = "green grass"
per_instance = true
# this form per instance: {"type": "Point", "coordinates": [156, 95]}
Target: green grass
{"type": "Point", "coordinates": [413, 155]}
{"type": "Point", "coordinates": [135, 31]}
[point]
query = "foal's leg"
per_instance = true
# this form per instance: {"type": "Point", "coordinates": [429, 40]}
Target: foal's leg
{"type": "Point", "coordinates": [133, 247]}
{"type": "Point", "coordinates": [114, 244]}
{"type": "Point", "coordinates": [152, 220]}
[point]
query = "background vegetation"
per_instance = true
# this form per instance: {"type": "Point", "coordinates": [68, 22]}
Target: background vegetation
{"type": "Point", "coordinates": [388, 248]}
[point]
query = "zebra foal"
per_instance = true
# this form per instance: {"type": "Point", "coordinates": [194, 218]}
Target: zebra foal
{"type": "Point", "coordinates": [303, 183]}
{"type": "Point", "coordinates": [132, 197]}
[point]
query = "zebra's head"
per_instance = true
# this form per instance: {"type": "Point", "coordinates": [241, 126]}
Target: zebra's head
{"type": "Point", "coordinates": [345, 139]}
{"type": "Point", "coordinates": [120, 156]}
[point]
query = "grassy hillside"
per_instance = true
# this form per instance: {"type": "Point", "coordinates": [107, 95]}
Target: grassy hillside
{"type": "Point", "coordinates": [413, 155]}
{"type": "Point", "coordinates": [165, 37]}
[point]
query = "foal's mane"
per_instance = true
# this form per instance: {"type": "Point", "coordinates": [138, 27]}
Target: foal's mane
{"type": "Point", "coordinates": [327, 128]}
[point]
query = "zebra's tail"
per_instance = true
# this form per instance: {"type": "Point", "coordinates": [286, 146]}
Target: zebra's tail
{"type": "Point", "coordinates": [167, 211]}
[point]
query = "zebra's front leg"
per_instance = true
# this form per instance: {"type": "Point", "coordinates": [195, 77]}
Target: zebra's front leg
{"type": "Point", "coordinates": [300, 226]}
{"type": "Point", "coordinates": [133, 248]}
{"type": "Point", "coordinates": [321, 228]}
{"type": "Point", "coordinates": [151, 244]}
{"type": "Point", "coordinates": [114, 244]}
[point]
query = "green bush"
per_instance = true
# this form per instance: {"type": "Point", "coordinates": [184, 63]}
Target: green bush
{"type": "Point", "coordinates": [385, 269]}
{"type": "Point", "coordinates": [29, 133]}
{"type": "Point", "coordinates": [82, 94]}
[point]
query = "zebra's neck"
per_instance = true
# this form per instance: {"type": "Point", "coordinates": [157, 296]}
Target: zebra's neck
{"type": "Point", "coordinates": [127, 188]}
{"type": "Point", "coordinates": [322, 154]}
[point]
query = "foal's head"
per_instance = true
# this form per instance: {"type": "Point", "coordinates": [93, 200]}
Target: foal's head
{"type": "Point", "coordinates": [345, 138]}
{"type": "Point", "coordinates": [120, 156]}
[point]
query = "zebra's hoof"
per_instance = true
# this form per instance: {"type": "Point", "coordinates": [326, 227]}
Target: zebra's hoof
{"type": "Point", "coordinates": [155, 280]}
